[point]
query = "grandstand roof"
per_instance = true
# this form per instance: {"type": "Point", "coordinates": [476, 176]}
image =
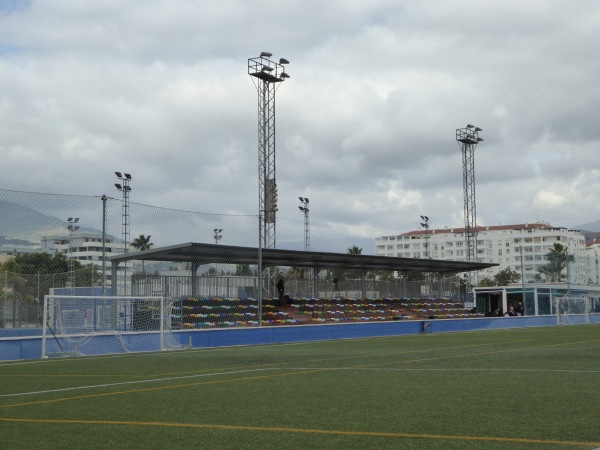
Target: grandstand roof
{"type": "Point", "coordinates": [200, 253]}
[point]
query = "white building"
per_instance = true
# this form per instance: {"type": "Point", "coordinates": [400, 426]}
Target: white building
{"type": "Point", "coordinates": [593, 251]}
{"type": "Point", "coordinates": [522, 248]}
{"type": "Point", "coordinates": [84, 247]}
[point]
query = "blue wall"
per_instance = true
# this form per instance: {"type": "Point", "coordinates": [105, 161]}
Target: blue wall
{"type": "Point", "coordinates": [31, 347]}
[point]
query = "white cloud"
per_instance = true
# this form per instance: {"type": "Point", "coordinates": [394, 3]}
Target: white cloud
{"type": "Point", "coordinates": [365, 125]}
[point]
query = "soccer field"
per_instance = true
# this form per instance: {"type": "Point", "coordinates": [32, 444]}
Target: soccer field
{"type": "Point", "coordinates": [511, 389]}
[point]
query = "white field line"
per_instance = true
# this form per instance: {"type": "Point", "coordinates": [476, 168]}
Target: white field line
{"type": "Point", "coordinates": [155, 380]}
{"type": "Point", "coordinates": [236, 372]}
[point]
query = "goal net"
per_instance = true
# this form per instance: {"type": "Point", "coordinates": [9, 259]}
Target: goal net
{"type": "Point", "coordinates": [572, 310]}
{"type": "Point", "coordinates": [90, 325]}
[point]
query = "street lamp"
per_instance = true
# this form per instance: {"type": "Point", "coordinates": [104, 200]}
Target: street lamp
{"type": "Point", "coordinates": [125, 189]}
{"type": "Point", "coordinates": [425, 224]}
{"type": "Point", "coordinates": [218, 235]}
{"type": "Point", "coordinates": [304, 209]}
{"type": "Point", "coordinates": [72, 227]}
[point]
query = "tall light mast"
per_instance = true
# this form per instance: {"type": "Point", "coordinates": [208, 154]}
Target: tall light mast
{"type": "Point", "coordinates": [305, 210]}
{"type": "Point", "coordinates": [467, 139]}
{"type": "Point", "coordinates": [267, 75]}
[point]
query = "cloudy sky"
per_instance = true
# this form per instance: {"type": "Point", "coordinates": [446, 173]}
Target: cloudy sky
{"type": "Point", "coordinates": [365, 125]}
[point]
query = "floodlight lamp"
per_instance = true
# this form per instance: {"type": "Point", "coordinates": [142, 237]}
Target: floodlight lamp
{"type": "Point", "coordinates": [284, 75]}
{"type": "Point", "coordinates": [128, 176]}
{"type": "Point", "coordinates": [283, 61]}
{"type": "Point", "coordinates": [479, 139]}
{"type": "Point", "coordinates": [301, 199]}
{"type": "Point", "coordinates": [127, 188]}
{"type": "Point", "coordinates": [76, 219]}
{"type": "Point", "coordinates": [69, 219]}
{"type": "Point", "coordinates": [76, 228]}
{"type": "Point", "coordinates": [424, 217]}
{"type": "Point", "coordinates": [424, 225]}
{"type": "Point", "coordinates": [267, 69]}
{"type": "Point", "coordinates": [266, 54]}
{"type": "Point", "coordinates": [470, 126]}
{"type": "Point", "coordinates": [478, 129]}
{"type": "Point", "coordinates": [301, 208]}
{"type": "Point", "coordinates": [118, 186]}
{"type": "Point", "coordinates": [118, 174]}
{"type": "Point", "coordinates": [306, 199]}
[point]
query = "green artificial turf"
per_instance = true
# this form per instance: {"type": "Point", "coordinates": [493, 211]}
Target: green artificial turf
{"type": "Point", "coordinates": [509, 389]}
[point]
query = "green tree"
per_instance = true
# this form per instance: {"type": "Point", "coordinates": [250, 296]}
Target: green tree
{"type": "Point", "coordinates": [503, 278]}
{"type": "Point", "coordinates": [354, 250]}
{"type": "Point", "coordinates": [28, 277]}
{"type": "Point", "coordinates": [507, 276]}
{"type": "Point", "coordinates": [487, 282]}
{"type": "Point", "coordinates": [243, 270]}
{"type": "Point", "coordinates": [142, 243]}
{"type": "Point", "coordinates": [557, 258]}
{"type": "Point", "coordinates": [39, 263]}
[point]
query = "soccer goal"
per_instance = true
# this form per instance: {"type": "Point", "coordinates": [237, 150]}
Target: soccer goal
{"type": "Point", "coordinates": [572, 310]}
{"type": "Point", "coordinates": [90, 325]}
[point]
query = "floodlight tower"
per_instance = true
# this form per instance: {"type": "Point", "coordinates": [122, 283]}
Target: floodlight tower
{"type": "Point", "coordinates": [467, 139]}
{"type": "Point", "coordinates": [304, 209]}
{"type": "Point", "coordinates": [125, 189]}
{"type": "Point", "coordinates": [425, 225]}
{"type": "Point", "coordinates": [218, 236]}
{"type": "Point", "coordinates": [267, 75]}
{"type": "Point", "coordinates": [72, 227]}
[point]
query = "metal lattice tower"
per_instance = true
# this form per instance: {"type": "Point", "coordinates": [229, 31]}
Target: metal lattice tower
{"type": "Point", "coordinates": [72, 227]}
{"type": "Point", "coordinates": [467, 139]}
{"type": "Point", "coordinates": [267, 75]}
{"type": "Point", "coordinates": [125, 189]}
{"type": "Point", "coordinates": [305, 210]}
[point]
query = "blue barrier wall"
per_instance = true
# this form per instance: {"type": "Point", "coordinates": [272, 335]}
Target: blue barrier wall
{"type": "Point", "coordinates": [31, 347]}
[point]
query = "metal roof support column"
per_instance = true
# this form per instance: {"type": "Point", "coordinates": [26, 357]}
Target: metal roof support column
{"type": "Point", "coordinates": [363, 282]}
{"type": "Point", "coordinates": [315, 282]}
{"type": "Point", "coordinates": [440, 284]}
{"type": "Point", "coordinates": [114, 270]}
{"type": "Point", "coordinates": [194, 275]}
{"type": "Point", "coordinates": [504, 301]}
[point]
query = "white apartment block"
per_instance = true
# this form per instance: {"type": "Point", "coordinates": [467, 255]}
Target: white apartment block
{"type": "Point", "coordinates": [84, 247]}
{"type": "Point", "coordinates": [593, 253]}
{"type": "Point", "coordinates": [522, 247]}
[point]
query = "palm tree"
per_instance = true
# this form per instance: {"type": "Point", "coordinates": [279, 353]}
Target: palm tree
{"type": "Point", "coordinates": [142, 243]}
{"type": "Point", "coordinates": [354, 250]}
{"type": "Point", "coordinates": [558, 258]}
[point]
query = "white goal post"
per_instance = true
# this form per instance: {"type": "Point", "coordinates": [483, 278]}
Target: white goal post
{"type": "Point", "coordinates": [99, 325]}
{"type": "Point", "coordinates": [572, 310]}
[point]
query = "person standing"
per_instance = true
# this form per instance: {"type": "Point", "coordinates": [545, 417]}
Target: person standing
{"type": "Point", "coordinates": [280, 289]}
{"type": "Point", "coordinates": [520, 309]}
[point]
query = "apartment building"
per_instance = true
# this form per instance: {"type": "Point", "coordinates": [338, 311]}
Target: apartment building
{"type": "Point", "coordinates": [84, 247]}
{"type": "Point", "coordinates": [521, 247]}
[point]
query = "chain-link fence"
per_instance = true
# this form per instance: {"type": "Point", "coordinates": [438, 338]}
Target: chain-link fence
{"type": "Point", "coordinates": [42, 250]}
